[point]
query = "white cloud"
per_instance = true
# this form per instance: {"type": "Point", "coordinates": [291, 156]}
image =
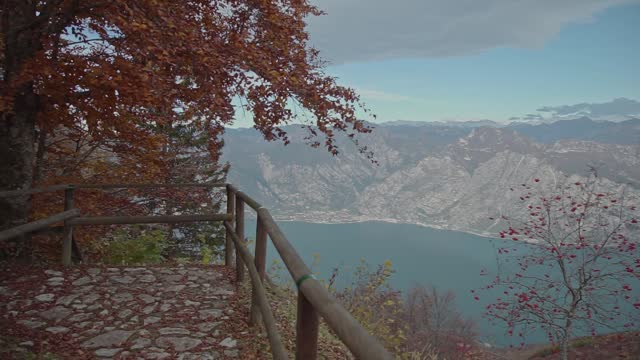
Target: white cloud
{"type": "Point", "coordinates": [363, 30]}
{"type": "Point", "coordinates": [615, 107]}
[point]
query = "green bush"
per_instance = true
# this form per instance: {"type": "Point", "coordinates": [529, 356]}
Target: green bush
{"type": "Point", "coordinates": [207, 255]}
{"type": "Point", "coordinates": [143, 247]}
{"type": "Point", "coordinates": [211, 245]}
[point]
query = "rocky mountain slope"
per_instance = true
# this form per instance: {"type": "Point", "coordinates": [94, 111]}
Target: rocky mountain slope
{"type": "Point", "coordinates": [624, 132]}
{"type": "Point", "coordinates": [452, 177]}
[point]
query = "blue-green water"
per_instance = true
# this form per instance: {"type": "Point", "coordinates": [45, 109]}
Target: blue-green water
{"type": "Point", "coordinates": [449, 260]}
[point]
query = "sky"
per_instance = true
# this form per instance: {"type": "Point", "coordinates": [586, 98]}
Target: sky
{"type": "Point", "coordinates": [457, 60]}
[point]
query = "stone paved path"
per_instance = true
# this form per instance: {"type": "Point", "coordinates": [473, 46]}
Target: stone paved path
{"type": "Point", "coordinates": [177, 312]}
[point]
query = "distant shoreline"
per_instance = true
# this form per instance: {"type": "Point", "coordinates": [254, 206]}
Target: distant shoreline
{"type": "Point", "coordinates": [388, 221]}
{"type": "Point", "coordinates": [288, 218]}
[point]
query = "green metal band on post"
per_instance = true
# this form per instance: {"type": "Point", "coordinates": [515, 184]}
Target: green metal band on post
{"type": "Point", "coordinates": [303, 278]}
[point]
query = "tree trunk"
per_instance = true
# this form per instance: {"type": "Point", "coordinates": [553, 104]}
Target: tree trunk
{"type": "Point", "coordinates": [16, 167]}
{"type": "Point", "coordinates": [16, 159]}
{"type": "Point", "coordinates": [564, 349]}
{"type": "Point", "coordinates": [39, 161]}
{"type": "Point", "coordinates": [17, 136]}
{"type": "Point", "coordinates": [17, 128]}
{"type": "Point", "coordinates": [566, 337]}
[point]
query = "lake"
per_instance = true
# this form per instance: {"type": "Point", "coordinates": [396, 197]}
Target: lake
{"type": "Point", "coordinates": [449, 260]}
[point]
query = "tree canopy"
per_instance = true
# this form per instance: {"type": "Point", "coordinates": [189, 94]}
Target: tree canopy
{"type": "Point", "coordinates": [81, 78]}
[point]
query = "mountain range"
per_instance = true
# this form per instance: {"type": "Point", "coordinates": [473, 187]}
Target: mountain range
{"type": "Point", "coordinates": [451, 176]}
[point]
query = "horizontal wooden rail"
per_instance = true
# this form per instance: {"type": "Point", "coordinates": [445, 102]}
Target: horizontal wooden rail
{"type": "Point", "coordinates": [277, 348]}
{"type": "Point", "coordinates": [33, 191]}
{"type": "Point", "coordinates": [165, 219]}
{"type": "Point", "coordinates": [145, 186]}
{"type": "Point", "coordinates": [38, 224]}
{"type": "Point", "coordinates": [11, 193]}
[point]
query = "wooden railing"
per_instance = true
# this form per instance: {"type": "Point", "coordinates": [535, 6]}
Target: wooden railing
{"type": "Point", "coordinates": [71, 216]}
{"type": "Point", "coordinates": [314, 301]}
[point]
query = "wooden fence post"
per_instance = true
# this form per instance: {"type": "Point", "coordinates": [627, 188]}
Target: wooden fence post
{"type": "Point", "coordinates": [67, 237]}
{"type": "Point", "coordinates": [306, 330]}
{"type": "Point", "coordinates": [240, 233]}
{"type": "Point", "coordinates": [228, 249]}
{"type": "Point", "coordinates": [260, 262]}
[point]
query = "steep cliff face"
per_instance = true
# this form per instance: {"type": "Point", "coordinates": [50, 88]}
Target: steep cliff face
{"type": "Point", "coordinates": [454, 178]}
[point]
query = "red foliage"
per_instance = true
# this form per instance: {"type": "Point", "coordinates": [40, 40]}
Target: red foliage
{"type": "Point", "coordinates": [583, 248]}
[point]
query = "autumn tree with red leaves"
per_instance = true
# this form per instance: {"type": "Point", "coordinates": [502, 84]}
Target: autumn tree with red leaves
{"type": "Point", "coordinates": [580, 267]}
{"type": "Point", "coordinates": [84, 82]}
